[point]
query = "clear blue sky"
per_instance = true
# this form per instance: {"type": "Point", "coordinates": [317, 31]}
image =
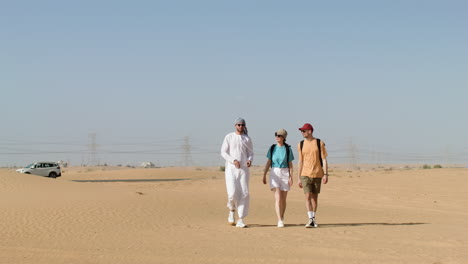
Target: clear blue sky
{"type": "Point", "coordinates": [387, 77]}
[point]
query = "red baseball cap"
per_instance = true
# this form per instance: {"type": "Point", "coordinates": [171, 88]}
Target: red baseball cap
{"type": "Point", "coordinates": [307, 126]}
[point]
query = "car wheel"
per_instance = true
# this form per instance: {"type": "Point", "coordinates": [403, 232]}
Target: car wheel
{"type": "Point", "coordinates": [53, 175]}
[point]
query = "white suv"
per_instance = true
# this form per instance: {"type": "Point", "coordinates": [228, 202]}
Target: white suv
{"type": "Point", "coordinates": [43, 168]}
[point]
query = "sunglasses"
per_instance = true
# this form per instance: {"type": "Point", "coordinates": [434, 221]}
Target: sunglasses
{"type": "Point", "coordinates": [240, 125]}
{"type": "Point", "coordinates": [303, 131]}
{"type": "Point", "coordinates": [276, 135]}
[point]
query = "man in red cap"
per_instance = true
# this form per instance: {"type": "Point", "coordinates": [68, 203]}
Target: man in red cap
{"type": "Point", "coordinates": [313, 170]}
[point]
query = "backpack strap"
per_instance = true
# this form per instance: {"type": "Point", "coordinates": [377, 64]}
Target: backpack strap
{"type": "Point", "coordinates": [319, 146]}
{"type": "Point", "coordinates": [320, 152]}
{"type": "Point", "coordinates": [272, 148]}
{"type": "Point", "coordinates": [287, 153]}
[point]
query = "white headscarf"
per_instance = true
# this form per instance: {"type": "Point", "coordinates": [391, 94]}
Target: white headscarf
{"type": "Point", "coordinates": [242, 121]}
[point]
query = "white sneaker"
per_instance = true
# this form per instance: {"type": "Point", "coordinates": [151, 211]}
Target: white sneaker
{"type": "Point", "coordinates": [231, 220]}
{"type": "Point", "coordinates": [240, 223]}
{"type": "Point", "coordinates": [280, 223]}
{"type": "Point", "coordinates": [311, 223]}
{"type": "Point", "coordinates": [314, 222]}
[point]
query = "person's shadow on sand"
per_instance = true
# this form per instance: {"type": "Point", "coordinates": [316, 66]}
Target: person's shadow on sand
{"type": "Point", "coordinates": [344, 224]}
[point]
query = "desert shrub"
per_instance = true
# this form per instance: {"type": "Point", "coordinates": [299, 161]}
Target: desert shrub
{"type": "Point", "coordinates": [437, 166]}
{"type": "Point", "coordinates": [222, 168]}
{"type": "Point", "coordinates": [425, 166]}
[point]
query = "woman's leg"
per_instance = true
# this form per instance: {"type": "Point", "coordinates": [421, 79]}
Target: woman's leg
{"type": "Point", "coordinates": [283, 196]}
{"type": "Point", "coordinates": [278, 206]}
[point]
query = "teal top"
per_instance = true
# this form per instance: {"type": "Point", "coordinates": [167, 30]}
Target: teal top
{"type": "Point", "coordinates": [279, 156]}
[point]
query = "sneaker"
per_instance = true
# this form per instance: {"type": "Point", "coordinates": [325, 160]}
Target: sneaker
{"type": "Point", "coordinates": [231, 220]}
{"type": "Point", "coordinates": [314, 222]}
{"type": "Point", "coordinates": [311, 223]}
{"type": "Point", "coordinates": [280, 223]}
{"type": "Point", "coordinates": [240, 223]}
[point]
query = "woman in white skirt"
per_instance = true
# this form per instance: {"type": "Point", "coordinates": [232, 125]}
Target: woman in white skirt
{"type": "Point", "coordinates": [280, 157]}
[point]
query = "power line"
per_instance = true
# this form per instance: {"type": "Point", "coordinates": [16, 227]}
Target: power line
{"type": "Point", "coordinates": [189, 154]}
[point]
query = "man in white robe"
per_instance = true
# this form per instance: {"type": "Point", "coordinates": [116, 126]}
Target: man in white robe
{"type": "Point", "coordinates": [237, 150]}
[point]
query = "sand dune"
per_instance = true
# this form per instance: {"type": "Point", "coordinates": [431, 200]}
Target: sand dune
{"type": "Point", "coordinates": [178, 215]}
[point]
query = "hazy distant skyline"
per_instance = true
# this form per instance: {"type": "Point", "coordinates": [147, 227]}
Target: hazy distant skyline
{"type": "Point", "coordinates": [385, 79]}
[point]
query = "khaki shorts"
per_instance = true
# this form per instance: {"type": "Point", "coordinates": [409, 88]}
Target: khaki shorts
{"type": "Point", "coordinates": [311, 184]}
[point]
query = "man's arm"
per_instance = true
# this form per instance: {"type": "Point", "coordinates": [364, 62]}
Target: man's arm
{"type": "Point", "coordinates": [225, 151]}
{"type": "Point", "coordinates": [299, 165]}
{"type": "Point", "coordinates": [250, 153]}
{"type": "Point", "coordinates": [325, 163]}
{"type": "Point", "coordinates": [325, 170]}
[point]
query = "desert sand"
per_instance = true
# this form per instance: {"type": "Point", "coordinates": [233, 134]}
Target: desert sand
{"type": "Point", "coordinates": [179, 215]}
